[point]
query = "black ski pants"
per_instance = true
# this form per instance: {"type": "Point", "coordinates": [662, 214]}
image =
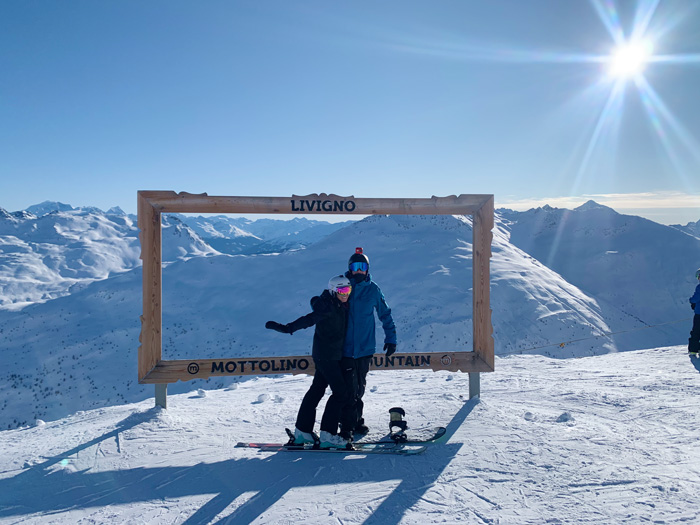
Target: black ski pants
{"type": "Point", "coordinates": [694, 341]}
{"type": "Point", "coordinates": [339, 407]}
{"type": "Point", "coordinates": [360, 384]}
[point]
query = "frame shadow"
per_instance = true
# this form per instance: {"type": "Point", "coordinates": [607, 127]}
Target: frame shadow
{"type": "Point", "coordinates": [43, 491]}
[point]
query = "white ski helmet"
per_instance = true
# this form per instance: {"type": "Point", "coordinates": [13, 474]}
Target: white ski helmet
{"type": "Point", "coordinates": [339, 284]}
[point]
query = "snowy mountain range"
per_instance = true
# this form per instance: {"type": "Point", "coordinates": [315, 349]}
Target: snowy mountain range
{"type": "Point", "coordinates": [692, 228]}
{"type": "Point", "coordinates": [52, 249]}
{"type": "Point", "coordinates": [633, 267]}
{"type": "Point", "coordinates": [57, 252]}
{"type": "Point", "coordinates": [561, 280]}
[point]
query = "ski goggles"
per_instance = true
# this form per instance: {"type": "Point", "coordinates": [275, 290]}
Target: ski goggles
{"type": "Point", "coordinates": [343, 290]}
{"type": "Point", "coordinates": [359, 267]}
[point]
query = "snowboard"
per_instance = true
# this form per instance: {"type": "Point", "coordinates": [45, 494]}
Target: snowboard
{"type": "Point", "coordinates": [359, 448]}
{"type": "Point", "coordinates": [412, 436]}
{"type": "Point", "coordinates": [406, 445]}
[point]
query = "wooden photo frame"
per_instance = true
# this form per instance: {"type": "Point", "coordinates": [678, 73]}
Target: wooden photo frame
{"type": "Point", "coordinates": [153, 369]}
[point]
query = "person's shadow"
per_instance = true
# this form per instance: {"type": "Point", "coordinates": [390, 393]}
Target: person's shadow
{"type": "Point", "coordinates": [40, 490]}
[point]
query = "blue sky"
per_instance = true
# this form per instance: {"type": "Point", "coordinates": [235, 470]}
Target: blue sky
{"type": "Point", "coordinates": [365, 98]}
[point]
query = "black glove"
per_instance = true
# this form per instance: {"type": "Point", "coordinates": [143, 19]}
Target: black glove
{"type": "Point", "coordinates": [283, 328]}
{"type": "Point", "coordinates": [692, 305]}
{"type": "Point", "coordinates": [390, 348]}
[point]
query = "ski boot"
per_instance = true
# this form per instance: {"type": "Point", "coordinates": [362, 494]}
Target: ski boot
{"type": "Point", "coordinates": [329, 440]}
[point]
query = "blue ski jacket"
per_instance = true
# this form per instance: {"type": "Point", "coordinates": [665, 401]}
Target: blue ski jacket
{"type": "Point", "coordinates": [366, 297]}
{"type": "Point", "coordinates": [695, 299]}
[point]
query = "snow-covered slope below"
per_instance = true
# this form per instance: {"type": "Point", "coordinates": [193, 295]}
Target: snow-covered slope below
{"type": "Point", "coordinates": [605, 439]}
{"type": "Point", "coordinates": [52, 255]}
{"type": "Point", "coordinates": [180, 242]}
{"type": "Point", "coordinates": [49, 256]}
{"type": "Point", "coordinates": [634, 268]}
{"type": "Point", "coordinates": [238, 235]}
{"type": "Point", "coordinates": [221, 232]}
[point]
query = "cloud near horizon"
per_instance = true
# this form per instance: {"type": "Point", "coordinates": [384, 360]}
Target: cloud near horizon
{"type": "Point", "coordinates": [618, 201]}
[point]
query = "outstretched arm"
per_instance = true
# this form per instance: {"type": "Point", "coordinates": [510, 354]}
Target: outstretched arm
{"type": "Point", "coordinates": [305, 321]}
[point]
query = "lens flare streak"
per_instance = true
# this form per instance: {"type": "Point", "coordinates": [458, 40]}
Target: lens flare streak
{"type": "Point", "coordinates": [644, 14]}
{"type": "Point", "coordinates": [688, 58]}
{"type": "Point", "coordinates": [633, 54]}
{"type": "Point", "coordinates": [607, 12]}
{"type": "Point", "coordinates": [657, 110]}
{"type": "Point", "coordinates": [636, 51]}
{"type": "Point", "coordinates": [609, 118]}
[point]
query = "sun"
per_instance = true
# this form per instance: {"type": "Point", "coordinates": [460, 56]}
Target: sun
{"type": "Point", "coordinates": [629, 59]}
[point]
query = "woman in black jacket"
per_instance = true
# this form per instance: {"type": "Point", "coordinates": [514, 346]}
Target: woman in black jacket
{"type": "Point", "coordinates": [330, 315]}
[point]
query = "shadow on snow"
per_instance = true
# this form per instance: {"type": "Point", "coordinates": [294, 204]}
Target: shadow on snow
{"type": "Point", "coordinates": [695, 361]}
{"type": "Point", "coordinates": [38, 490]}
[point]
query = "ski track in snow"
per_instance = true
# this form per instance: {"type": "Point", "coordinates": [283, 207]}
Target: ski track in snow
{"type": "Point", "coordinates": [605, 439]}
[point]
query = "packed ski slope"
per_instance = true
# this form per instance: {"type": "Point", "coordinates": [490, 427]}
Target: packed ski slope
{"type": "Point", "coordinates": [603, 439]}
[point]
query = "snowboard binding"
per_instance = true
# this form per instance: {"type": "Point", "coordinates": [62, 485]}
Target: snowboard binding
{"type": "Point", "coordinates": [396, 415]}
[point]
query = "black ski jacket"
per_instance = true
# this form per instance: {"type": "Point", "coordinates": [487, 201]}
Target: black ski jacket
{"type": "Point", "coordinates": [331, 319]}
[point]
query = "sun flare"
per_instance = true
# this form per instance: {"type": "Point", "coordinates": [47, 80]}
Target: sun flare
{"type": "Point", "coordinates": [629, 59]}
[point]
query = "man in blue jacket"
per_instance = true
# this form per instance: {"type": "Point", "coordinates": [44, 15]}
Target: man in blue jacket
{"type": "Point", "coordinates": [360, 343]}
{"type": "Point", "coordinates": [694, 341]}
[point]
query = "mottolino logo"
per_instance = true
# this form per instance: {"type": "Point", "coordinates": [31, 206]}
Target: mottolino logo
{"type": "Point", "coordinates": [259, 365]}
{"type": "Point", "coordinates": [193, 368]}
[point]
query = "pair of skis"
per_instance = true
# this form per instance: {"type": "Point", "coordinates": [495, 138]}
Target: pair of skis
{"type": "Point", "coordinates": [396, 443]}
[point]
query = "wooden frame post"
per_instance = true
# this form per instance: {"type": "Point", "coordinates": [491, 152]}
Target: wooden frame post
{"type": "Point", "coordinates": [153, 369]}
{"type": "Point", "coordinates": [151, 320]}
{"type": "Point", "coordinates": [162, 395]}
{"type": "Point", "coordinates": [474, 385]}
{"type": "Point", "coordinates": [483, 328]}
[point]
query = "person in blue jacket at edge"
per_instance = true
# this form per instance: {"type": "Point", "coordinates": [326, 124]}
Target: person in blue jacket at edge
{"type": "Point", "coordinates": [694, 341]}
{"type": "Point", "coordinates": [360, 341]}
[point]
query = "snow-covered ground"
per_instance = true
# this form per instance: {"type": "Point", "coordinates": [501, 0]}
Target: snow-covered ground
{"type": "Point", "coordinates": [598, 439]}
{"type": "Point", "coordinates": [604, 439]}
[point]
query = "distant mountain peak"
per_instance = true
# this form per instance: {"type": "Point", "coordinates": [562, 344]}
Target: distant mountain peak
{"type": "Point", "coordinates": [16, 215]}
{"type": "Point", "coordinates": [23, 215]}
{"type": "Point", "coordinates": [48, 207]}
{"type": "Point", "coordinates": [115, 210]}
{"type": "Point", "coordinates": [592, 205]}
